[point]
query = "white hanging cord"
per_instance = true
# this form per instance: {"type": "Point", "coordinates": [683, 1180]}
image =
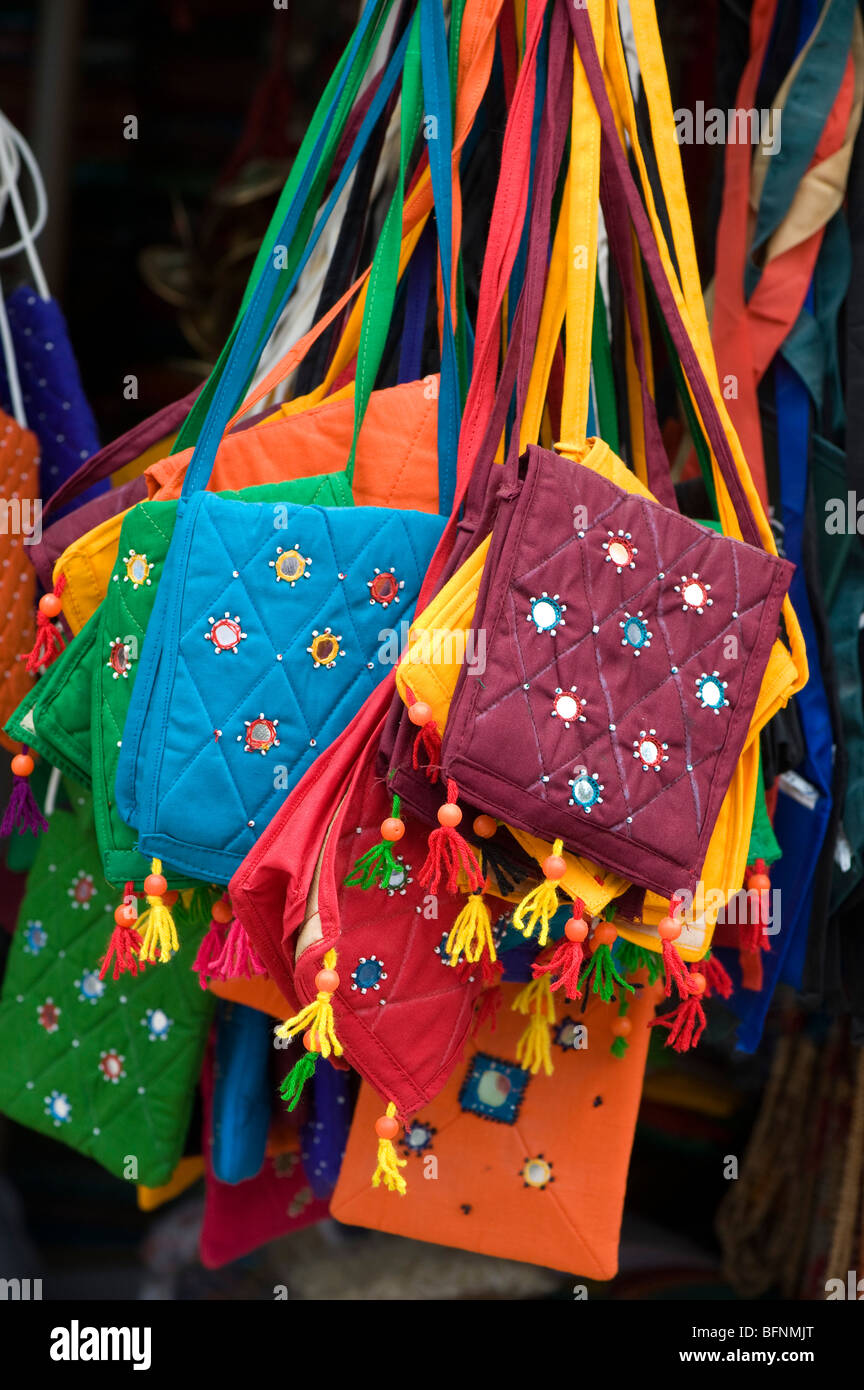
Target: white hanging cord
{"type": "Point", "coordinates": [11, 143]}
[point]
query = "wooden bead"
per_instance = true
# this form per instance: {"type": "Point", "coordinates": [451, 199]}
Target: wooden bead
{"type": "Point", "coordinates": [386, 1127]}
{"type": "Point", "coordinates": [420, 713]}
{"type": "Point", "coordinates": [126, 915]}
{"type": "Point", "coordinates": [155, 885]}
{"type": "Point", "coordinates": [554, 866]}
{"type": "Point", "coordinates": [759, 883]}
{"type": "Point", "coordinates": [622, 1027]}
{"type": "Point", "coordinates": [327, 981]}
{"type": "Point", "coordinates": [309, 1041]}
{"type": "Point", "coordinates": [485, 827]}
{"type": "Point", "coordinates": [576, 929]}
{"type": "Point", "coordinates": [22, 765]}
{"type": "Point", "coordinates": [50, 606]}
{"type": "Point", "coordinates": [222, 912]}
{"type": "Point", "coordinates": [668, 929]}
{"type": "Point", "coordinates": [392, 828]}
{"type": "Point", "coordinates": [698, 982]}
{"type": "Point", "coordinates": [604, 934]}
{"type": "Point", "coordinates": [449, 814]}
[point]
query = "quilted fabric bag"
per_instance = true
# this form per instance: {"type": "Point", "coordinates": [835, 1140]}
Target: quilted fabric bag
{"type": "Point", "coordinates": [111, 1072]}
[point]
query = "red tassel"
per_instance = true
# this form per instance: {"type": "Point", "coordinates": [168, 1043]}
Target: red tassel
{"type": "Point", "coordinates": [488, 1005]}
{"type": "Point", "coordinates": [239, 959]}
{"type": "Point", "coordinates": [717, 977]}
{"type": "Point", "coordinates": [449, 851]}
{"type": "Point", "coordinates": [676, 971]}
{"type": "Point", "coordinates": [686, 1024]}
{"type": "Point", "coordinates": [49, 641]}
{"type": "Point", "coordinates": [429, 739]}
{"type": "Point", "coordinates": [125, 943]}
{"type": "Point", "coordinates": [752, 937]}
{"type": "Point", "coordinates": [212, 946]}
{"type": "Point", "coordinates": [566, 961]}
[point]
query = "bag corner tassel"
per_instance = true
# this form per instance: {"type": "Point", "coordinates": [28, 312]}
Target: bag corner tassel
{"type": "Point", "coordinates": [471, 934]}
{"type": "Point", "coordinates": [22, 813]}
{"type": "Point", "coordinates": [238, 959]}
{"type": "Point", "coordinates": [427, 738]}
{"type": "Point", "coordinates": [601, 970]}
{"type": "Point", "coordinates": [49, 641]}
{"type": "Point", "coordinates": [686, 1022]}
{"type": "Point", "coordinates": [622, 1027]}
{"type": "Point", "coordinates": [541, 903]}
{"type": "Point", "coordinates": [669, 929]}
{"type": "Point", "coordinates": [534, 1048]}
{"type": "Point", "coordinates": [377, 866]}
{"type": "Point", "coordinates": [302, 1071]}
{"type": "Point", "coordinates": [156, 925]}
{"type": "Point", "coordinates": [449, 851]}
{"type": "Point", "coordinates": [124, 945]}
{"type": "Point", "coordinates": [753, 940]}
{"type": "Point", "coordinates": [316, 1019]}
{"type": "Point", "coordinates": [389, 1162]}
{"type": "Point", "coordinates": [213, 943]}
{"type": "Point", "coordinates": [565, 963]}
{"type": "Point", "coordinates": [717, 977]}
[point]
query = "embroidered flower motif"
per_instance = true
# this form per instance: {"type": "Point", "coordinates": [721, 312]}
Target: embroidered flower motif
{"type": "Point", "coordinates": [290, 565]}
{"type": "Point", "coordinates": [649, 750]}
{"type": "Point", "coordinates": [58, 1108]}
{"type": "Point", "coordinates": [536, 1172]}
{"type": "Point", "coordinates": [158, 1024]}
{"type": "Point", "coordinates": [35, 938]}
{"type": "Point", "coordinates": [48, 1015]}
{"type": "Point", "coordinates": [137, 569]}
{"type": "Point", "coordinates": [261, 735]}
{"type": "Point", "coordinates": [111, 1066]}
{"type": "Point", "coordinates": [694, 593]}
{"type": "Point", "coordinates": [709, 691]}
{"type": "Point", "coordinates": [417, 1138]}
{"type": "Point", "coordinates": [384, 587]}
{"type": "Point", "coordinates": [546, 613]}
{"type": "Point", "coordinates": [636, 632]}
{"type": "Point", "coordinates": [90, 988]}
{"type": "Point", "coordinates": [368, 974]}
{"type": "Point", "coordinates": [119, 658]}
{"type": "Point", "coordinates": [82, 890]}
{"type": "Point", "coordinates": [226, 634]}
{"type": "Point", "coordinates": [586, 789]}
{"type": "Point", "coordinates": [620, 550]}
{"type": "Point", "coordinates": [325, 648]}
{"type": "Point", "coordinates": [568, 706]}
{"type": "Point", "coordinates": [400, 877]}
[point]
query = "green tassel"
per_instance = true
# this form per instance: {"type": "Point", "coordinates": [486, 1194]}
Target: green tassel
{"type": "Point", "coordinates": [378, 864]}
{"type": "Point", "coordinates": [632, 958]}
{"type": "Point", "coordinates": [603, 974]}
{"type": "Point", "coordinates": [302, 1071]}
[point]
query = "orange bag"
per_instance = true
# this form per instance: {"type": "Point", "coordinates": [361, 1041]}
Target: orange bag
{"type": "Point", "coordinates": [526, 1167]}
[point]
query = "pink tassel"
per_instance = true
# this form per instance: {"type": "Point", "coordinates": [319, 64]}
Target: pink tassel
{"type": "Point", "coordinates": [211, 948]}
{"type": "Point", "coordinates": [449, 851]}
{"type": "Point", "coordinates": [22, 813]}
{"type": "Point", "coordinates": [239, 959]}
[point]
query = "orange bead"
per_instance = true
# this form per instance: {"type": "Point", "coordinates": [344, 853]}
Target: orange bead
{"type": "Point", "coordinates": [698, 982]}
{"type": "Point", "coordinates": [22, 765]}
{"type": "Point", "coordinates": [155, 885]}
{"type": "Point", "coordinates": [759, 883]}
{"type": "Point", "coordinates": [604, 934]}
{"type": "Point", "coordinates": [386, 1127]}
{"type": "Point", "coordinates": [126, 915]}
{"type": "Point", "coordinates": [222, 912]}
{"type": "Point", "coordinates": [448, 814]}
{"type": "Point", "coordinates": [420, 712]}
{"type": "Point", "coordinates": [622, 1027]}
{"type": "Point", "coordinates": [50, 606]}
{"type": "Point", "coordinates": [668, 929]}
{"type": "Point", "coordinates": [392, 828]}
{"type": "Point", "coordinates": [554, 866]}
{"type": "Point", "coordinates": [485, 827]}
{"type": "Point", "coordinates": [576, 929]}
{"type": "Point", "coordinates": [327, 981]}
{"type": "Point", "coordinates": [309, 1041]}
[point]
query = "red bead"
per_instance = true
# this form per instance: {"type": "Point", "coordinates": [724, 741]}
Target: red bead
{"type": "Point", "coordinates": [392, 828]}
{"type": "Point", "coordinates": [222, 912]}
{"type": "Point", "coordinates": [485, 827]}
{"type": "Point", "coordinates": [420, 712]}
{"type": "Point", "coordinates": [50, 605]}
{"type": "Point", "coordinates": [309, 1041]}
{"type": "Point", "coordinates": [327, 981]}
{"type": "Point", "coordinates": [169, 899]}
{"type": "Point", "coordinates": [386, 1127]}
{"type": "Point", "coordinates": [668, 929]}
{"type": "Point", "coordinates": [22, 765]}
{"type": "Point", "coordinates": [697, 982]}
{"type": "Point", "coordinates": [604, 934]}
{"type": "Point", "coordinates": [576, 929]}
{"type": "Point", "coordinates": [155, 885]}
{"type": "Point", "coordinates": [126, 915]}
{"type": "Point", "coordinates": [759, 883]}
{"type": "Point", "coordinates": [622, 1027]}
{"type": "Point", "coordinates": [554, 866]}
{"type": "Point", "coordinates": [449, 814]}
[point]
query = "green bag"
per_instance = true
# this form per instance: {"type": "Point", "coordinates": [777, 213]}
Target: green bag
{"type": "Point", "coordinates": [54, 718]}
{"type": "Point", "coordinates": [108, 1068]}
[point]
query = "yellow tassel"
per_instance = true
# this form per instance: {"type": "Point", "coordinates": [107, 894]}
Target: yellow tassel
{"type": "Point", "coordinates": [317, 1017]}
{"type": "Point", "coordinates": [156, 925]}
{"type": "Point", "coordinates": [388, 1161]}
{"type": "Point", "coordinates": [534, 1048]}
{"type": "Point", "coordinates": [471, 933]}
{"type": "Point", "coordinates": [540, 905]}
